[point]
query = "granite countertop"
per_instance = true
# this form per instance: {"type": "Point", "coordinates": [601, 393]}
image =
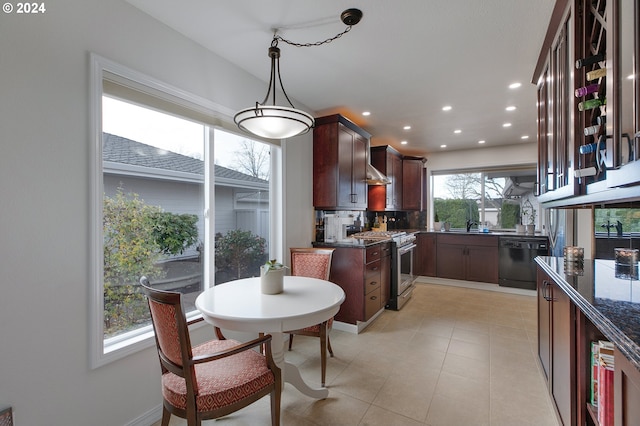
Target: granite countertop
{"type": "Point", "coordinates": [495, 233]}
{"type": "Point", "coordinates": [351, 242]}
{"type": "Point", "coordinates": [607, 295]}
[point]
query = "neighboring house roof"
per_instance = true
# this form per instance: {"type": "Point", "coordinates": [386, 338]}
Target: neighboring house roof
{"type": "Point", "coordinates": [117, 149]}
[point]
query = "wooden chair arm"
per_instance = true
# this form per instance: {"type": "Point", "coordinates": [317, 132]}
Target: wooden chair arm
{"type": "Point", "coordinates": [266, 340]}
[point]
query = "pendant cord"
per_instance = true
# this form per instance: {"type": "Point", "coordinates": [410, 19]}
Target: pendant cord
{"type": "Point", "coordinates": [317, 43]}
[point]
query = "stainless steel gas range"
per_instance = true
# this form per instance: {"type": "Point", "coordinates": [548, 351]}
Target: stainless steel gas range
{"type": "Point", "coordinates": [402, 277]}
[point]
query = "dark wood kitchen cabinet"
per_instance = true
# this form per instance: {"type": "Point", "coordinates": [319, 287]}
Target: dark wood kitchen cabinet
{"type": "Point", "coordinates": [364, 275]}
{"type": "Point", "coordinates": [467, 257]}
{"type": "Point", "coordinates": [557, 155]}
{"type": "Point", "coordinates": [573, 314]}
{"type": "Point", "coordinates": [386, 197]}
{"type": "Point", "coordinates": [413, 183]}
{"type": "Point", "coordinates": [425, 254]}
{"type": "Point", "coordinates": [339, 164]}
{"type": "Point", "coordinates": [607, 30]}
{"type": "Point", "coordinates": [556, 345]}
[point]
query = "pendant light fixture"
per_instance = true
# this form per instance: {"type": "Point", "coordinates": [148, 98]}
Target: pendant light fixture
{"type": "Point", "coordinates": [280, 122]}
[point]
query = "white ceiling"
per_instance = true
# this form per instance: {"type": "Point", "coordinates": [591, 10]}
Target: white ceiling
{"type": "Point", "coordinates": [403, 62]}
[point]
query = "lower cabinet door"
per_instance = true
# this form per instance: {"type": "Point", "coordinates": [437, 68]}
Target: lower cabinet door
{"type": "Point", "coordinates": [372, 303]}
{"type": "Point", "coordinates": [563, 383]}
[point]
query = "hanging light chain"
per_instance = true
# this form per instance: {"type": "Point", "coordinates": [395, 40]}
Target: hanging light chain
{"type": "Point", "coordinates": [276, 37]}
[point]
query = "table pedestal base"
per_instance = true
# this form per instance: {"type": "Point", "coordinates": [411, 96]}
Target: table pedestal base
{"type": "Point", "coordinates": [290, 372]}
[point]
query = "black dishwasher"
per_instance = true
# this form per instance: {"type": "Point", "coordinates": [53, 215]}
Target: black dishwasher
{"type": "Point", "coordinates": [516, 265]}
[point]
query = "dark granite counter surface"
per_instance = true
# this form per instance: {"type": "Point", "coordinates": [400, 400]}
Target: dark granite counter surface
{"type": "Point", "coordinates": [476, 232]}
{"type": "Point", "coordinates": [608, 295]}
{"type": "Point", "coordinates": [351, 242]}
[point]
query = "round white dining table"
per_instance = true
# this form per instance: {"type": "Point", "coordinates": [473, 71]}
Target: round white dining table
{"type": "Point", "coordinates": [240, 305]}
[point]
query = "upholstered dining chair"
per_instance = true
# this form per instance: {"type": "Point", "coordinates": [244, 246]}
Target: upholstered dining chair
{"type": "Point", "coordinates": [314, 263]}
{"type": "Point", "coordinates": [213, 379]}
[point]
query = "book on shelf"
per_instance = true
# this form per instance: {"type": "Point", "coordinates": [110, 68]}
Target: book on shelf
{"type": "Point", "coordinates": [602, 381]}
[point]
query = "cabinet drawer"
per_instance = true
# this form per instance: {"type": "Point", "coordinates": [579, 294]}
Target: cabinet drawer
{"type": "Point", "coordinates": [372, 276]}
{"type": "Point", "coordinates": [385, 249]}
{"type": "Point", "coordinates": [372, 303]}
{"type": "Point", "coordinates": [373, 253]}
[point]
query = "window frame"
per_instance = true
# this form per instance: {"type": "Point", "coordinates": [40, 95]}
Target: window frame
{"type": "Point", "coordinates": [181, 103]}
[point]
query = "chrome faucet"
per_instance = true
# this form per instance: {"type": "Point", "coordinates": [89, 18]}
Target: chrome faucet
{"type": "Point", "coordinates": [470, 224]}
{"type": "Point", "coordinates": [609, 225]}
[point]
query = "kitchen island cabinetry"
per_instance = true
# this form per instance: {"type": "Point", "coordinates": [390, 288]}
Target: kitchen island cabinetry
{"type": "Point", "coordinates": [364, 275]}
{"type": "Point", "coordinates": [467, 257]}
{"type": "Point", "coordinates": [386, 197]}
{"type": "Point", "coordinates": [556, 331]}
{"type": "Point", "coordinates": [339, 164]}
{"type": "Point", "coordinates": [579, 305]}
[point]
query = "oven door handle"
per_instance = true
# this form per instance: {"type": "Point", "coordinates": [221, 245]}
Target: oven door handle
{"type": "Point", "coordinates": [406, 249]}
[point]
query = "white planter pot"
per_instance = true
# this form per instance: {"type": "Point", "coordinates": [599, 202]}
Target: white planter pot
{"type": "Point", "coordinates": [520, 229]}
{"type": "Point", "coordinates": [531, 229]}
{"type": "Point", "coordinates": [271, 280]}
{"type": "Point", "coordinates": [437, 226]}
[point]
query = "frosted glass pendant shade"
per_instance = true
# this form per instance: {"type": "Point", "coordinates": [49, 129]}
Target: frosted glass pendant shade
{"type": "Point", "coordinates": [273, 121]}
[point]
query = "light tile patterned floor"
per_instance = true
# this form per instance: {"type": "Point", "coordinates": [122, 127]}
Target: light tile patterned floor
{"type": "Point", "coordinates": [453, 356]}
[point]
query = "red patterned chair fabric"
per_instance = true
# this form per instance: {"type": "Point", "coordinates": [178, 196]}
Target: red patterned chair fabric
{"type": "Point", "coordinates": [213, 379]}
{"type": "Point", "coordinates": [314, 263]}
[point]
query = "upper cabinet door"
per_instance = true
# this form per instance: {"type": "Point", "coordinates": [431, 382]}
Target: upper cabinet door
{"type": "Point", "coordinates": [623, 115]}
{"type": "Point", "coordinates": [557, 152]}
{"type": "Point", "coordinates": [339, 164]}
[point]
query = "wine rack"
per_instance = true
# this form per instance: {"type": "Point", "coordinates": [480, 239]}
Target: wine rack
{"type": "Point", "coordinates": [592, 141]}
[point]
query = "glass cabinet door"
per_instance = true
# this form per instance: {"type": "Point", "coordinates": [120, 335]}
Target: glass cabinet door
{"type": "Point", "coordinates": [623, 117]}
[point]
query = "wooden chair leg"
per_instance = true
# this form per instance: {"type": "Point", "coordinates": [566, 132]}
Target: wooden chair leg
{"type": "Point", "coordinates": [166, 416]}
{"type": "Point", "coordinates": [323, 351]}
{"type": "Point", "coordinates": [275, 405]}
{"type": "Point", "coordinates": [329, 345]}
{"type": "Point", "coordinates": [290, 341]}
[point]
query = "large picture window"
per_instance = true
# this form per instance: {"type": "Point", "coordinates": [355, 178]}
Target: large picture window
{"type": "Point", "coordinates": [497, 199]}
{"type": "Point", "coordinates": [177, 198]}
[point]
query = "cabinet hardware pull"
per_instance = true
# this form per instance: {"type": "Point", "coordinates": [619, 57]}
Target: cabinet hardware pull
{"type": "Point", "coordinates": [374, 297]}
{"type": "Point", "coordinates": [373, 283]}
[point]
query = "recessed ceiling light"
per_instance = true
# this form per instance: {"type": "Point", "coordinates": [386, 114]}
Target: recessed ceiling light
{"type": "Point", "coordinates": [407, 127]}
{"type": "Point", "coordinates": [481, 141]}
{"type": "Point", "coordinates": [443, 146]}
{"type": "Point", "coordinates": [457, 131]}
{"type": "Point", "coordinates": [514, 85]}
{"type": "Point", "coordinates": [506, 125]}
{"type": "Point", "coordinates": [446, 108]}
{"type": "Point", "coordinates": [404, 142]}
{"type": "Point", "coordinates": [510, 108]}
{"type": "Point", "coordinates": [524, 137]}
{"type": "Point", "coordinates": [366, 113]}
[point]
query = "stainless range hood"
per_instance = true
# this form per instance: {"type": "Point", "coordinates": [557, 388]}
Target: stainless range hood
{"type": "Point", "coordinates": [374, 176]}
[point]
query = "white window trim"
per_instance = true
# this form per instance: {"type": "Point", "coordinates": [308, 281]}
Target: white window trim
{"type": "Point", "coordinates": [217, 116]}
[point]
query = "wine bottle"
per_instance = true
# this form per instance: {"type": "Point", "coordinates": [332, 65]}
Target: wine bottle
{"type": "Point", "coordinates": [591, 130]}
{"type": "Point", "coordinates": [583, 62]}
{"type": "Point", "coordinates": [582, 91]}
{"type": "Point", "coordinates": [595, 74]}
{"type": "Point", "coordinates": [591, 104]}
{"type": "Point", "coordinates": [591, 147]}
{"type": "Point", "coordinates": [601, 120]}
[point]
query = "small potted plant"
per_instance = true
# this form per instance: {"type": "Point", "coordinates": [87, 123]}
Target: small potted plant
{"type": "Point", "coordinates": [531, 226]}
{"type": "Point", "coordinates": [437, 225]}
{"type": "Point", "coordinates": [529, 217]}
{"type": "Point", "coordinates": [272, 277]}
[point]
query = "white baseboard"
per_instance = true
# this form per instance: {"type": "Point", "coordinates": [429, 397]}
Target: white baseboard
{"type": "Point", "coordinates": [150, 417]}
